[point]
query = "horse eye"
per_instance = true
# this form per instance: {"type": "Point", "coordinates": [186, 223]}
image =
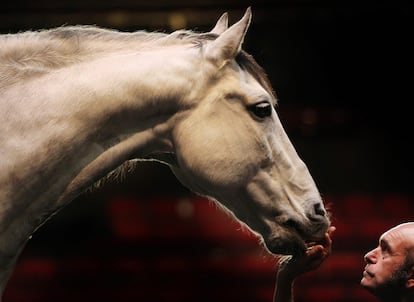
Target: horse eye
{"type": "Point", "coordinates": [261, 110]}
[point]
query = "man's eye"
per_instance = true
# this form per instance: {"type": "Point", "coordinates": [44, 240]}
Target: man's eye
{"type": "Point", "coordinates": [261, 109]}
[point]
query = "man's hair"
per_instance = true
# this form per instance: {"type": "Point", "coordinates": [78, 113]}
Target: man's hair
{"type": "Point", "coordinates": [401, 274]}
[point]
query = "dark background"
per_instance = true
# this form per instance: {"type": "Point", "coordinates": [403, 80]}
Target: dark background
{"type": "Point", "coordinates": [343, 72]}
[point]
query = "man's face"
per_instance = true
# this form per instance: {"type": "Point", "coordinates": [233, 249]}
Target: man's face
{"type": "Point", "coordinates": [385, 272]}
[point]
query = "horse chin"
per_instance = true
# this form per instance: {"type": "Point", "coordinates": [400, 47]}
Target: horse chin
{"type": "Point", "coordinates": [286, 243]}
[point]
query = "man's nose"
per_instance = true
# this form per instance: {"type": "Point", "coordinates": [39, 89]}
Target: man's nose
{"type": "Point", "coordinates": [370, 257]}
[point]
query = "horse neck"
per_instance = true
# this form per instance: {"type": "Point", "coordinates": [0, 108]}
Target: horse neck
{"type": "Point", "coordinates": [67, 128]}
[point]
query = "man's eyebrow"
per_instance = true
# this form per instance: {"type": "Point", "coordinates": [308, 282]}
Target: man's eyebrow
{"type": "Point", "coordinates": [385, 244]}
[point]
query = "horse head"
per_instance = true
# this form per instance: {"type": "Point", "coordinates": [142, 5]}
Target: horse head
{"type": "Point", "coordinates": [231, 147]}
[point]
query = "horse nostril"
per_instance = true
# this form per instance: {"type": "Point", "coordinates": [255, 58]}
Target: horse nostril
{"type": "Point", "coordinates": [319, 210]}
{"type": "Point", "coordinates": [318, 213]}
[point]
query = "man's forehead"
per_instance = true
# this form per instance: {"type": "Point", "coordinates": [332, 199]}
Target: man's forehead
{"type": "Point", "coordinates": [401, 234]}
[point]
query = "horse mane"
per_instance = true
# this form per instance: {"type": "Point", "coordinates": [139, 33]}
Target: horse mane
{"type": "Point", "coordinates": [32, 53]}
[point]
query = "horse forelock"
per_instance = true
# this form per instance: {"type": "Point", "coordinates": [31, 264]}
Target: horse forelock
{"type": "Point", "coordinates": [249, 64]}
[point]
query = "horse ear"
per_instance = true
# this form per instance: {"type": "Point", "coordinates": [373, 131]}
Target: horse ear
{"type": "Point", "coordinates": [221, 25]}
{"type": "Point", "coordinates": [228, 44]}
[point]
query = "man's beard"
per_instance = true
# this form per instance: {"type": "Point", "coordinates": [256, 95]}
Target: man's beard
{"type": "Point", "coordinates": [393, 288]}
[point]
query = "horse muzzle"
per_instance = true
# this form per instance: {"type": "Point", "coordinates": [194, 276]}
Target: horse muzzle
{"type": "Point", "coordinates": [288, 234]}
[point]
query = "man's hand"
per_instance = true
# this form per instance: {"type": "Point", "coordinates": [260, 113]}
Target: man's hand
{"type": "Point", "coordinates": [317, 252]}
{"type": "Point", "coordinates": [289, 271]}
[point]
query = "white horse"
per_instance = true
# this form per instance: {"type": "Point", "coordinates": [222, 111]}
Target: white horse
{"type": "Point", "coordinates": [78, 102]}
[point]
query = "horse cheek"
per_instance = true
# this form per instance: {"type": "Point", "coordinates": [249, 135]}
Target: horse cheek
{"type": "Point", "coordinates": [203, 160]}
